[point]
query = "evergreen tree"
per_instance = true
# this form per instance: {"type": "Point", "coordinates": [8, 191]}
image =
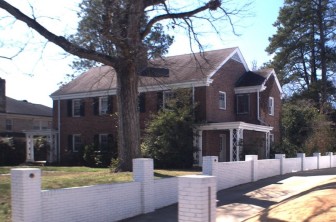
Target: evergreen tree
{"type": "Point", "coordinates": [304, 45]}
{"type": "Point", "coordinates": [169, 134]}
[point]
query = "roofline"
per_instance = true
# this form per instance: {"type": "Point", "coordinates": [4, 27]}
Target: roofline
{"type": "Point", "coordinates": [25, 115]}
{"type": "Point", "coordinates": [234, 125]}
{"type": "Point", "coordinates": [237, 50]}
{"type": "Point", "coordinates": [82, 95]}
{"type": "Point", "coordinates": [249, 89]}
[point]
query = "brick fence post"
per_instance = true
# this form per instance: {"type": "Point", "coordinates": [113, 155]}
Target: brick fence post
{"type": "Point", "coordinates": [254, 168]}
{"type": "Point", "coordinates": [197, 198]}
{"type": "Point", "coordinates": [303, 160]}
{"type": "Point", "coordinates": [210, 165]}
{"type": "Point", "coordinates": [143, 172]}
{"type": "Point", "coordinates": [318, 156]}
{"type": "Point", "coordinates": [26, 195]}
{"type": "Point", "coordinates": [281, 157]}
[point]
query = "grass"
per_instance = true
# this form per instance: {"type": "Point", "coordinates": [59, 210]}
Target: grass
{"type": "Point", "coordinates": [63, 177]}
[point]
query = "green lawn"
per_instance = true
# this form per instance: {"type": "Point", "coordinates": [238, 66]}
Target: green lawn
{"type": "Point", "coordinates": [62, 177]}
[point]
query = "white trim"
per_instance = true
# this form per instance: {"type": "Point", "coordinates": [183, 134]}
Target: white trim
{"type": "Point", "coordinates": [237, 50]}
{"type": "Point", "coordinates": [81, 95]}
{"type": "Point", "coordinates": [234, 125]}
{"type": "Point", "coordinates": [249, 89]}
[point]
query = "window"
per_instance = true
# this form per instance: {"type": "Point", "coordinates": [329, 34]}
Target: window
{"type": "Point", "coordinates": [103, 105]}
{"type": "Point", "coordinates": [36, 125]}
{"type": "Point", "coordinates": [9, 124]}
{"type": "Point", "coordinates": [271, 138]}
{"type": "Point", "coordinates": [243, 104]}
{"type": "Point", "coordinates": [76, 142]}
{"type": "Point", "coordinates": [167, 95]}
{"type": "Point", "coordinates": [271, 106]}
{"type": "Point", "coordinates": [76, 107]}
{"type": "Point", "coordinates": [222, 100]}
{"type": "Point", "coordinates": [103, 141]}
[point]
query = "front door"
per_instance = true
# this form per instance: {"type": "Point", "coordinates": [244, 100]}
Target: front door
{"type": "Point", "coordinates": [222, 147]}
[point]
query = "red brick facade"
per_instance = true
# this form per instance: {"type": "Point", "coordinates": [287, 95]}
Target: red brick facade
{"type": "Point", "coordinates": [208, 111]}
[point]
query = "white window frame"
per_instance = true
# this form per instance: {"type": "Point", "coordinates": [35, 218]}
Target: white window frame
{"type": "Point", "coordinates": [166, 96]}
{"type": "Point", "coordinates": [103, 105]}
{"type": "Point", "coordinates": [101, 140]}
{"type": "Point", "coordinates": [75, 142]}
{"type": "Point", "coordinates": [248, 103]}
{"type": "Point", "coordinates": [222, 100]}
{"type": "Point", "coordinates": [271, 106]}
{"type": "Point", "coordinates": [76, 107]}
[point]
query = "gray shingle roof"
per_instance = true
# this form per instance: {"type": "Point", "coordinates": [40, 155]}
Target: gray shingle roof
{"type": "Point", "coordinates": [14, 106]}
{"type": "Point", "coordinates": [182, 69]}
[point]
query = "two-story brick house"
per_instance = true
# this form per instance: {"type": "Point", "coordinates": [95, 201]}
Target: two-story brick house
{"type": "Point", "coordinates": [238, 110]}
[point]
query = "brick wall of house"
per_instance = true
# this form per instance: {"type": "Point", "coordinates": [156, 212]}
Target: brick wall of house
{"type": "Point", "coordinates": [271, 91]}
{"type": "Point", "coordinates": [223, 81]}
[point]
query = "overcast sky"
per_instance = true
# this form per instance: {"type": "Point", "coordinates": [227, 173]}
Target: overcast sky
{"type": "Point", "coordinates": [35, 74]}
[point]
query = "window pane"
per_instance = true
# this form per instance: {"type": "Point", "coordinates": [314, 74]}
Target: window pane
{"type": "Point", "coordinates": [222, 100]}
{"type": "Point", "coordinates": [103, 105]}
{"type": "Point", "coordinates": [76, 107]}
{"type": "Point", "coordinates": [242, 104]}
{"type": "Point", "coordinates": [77, 143]}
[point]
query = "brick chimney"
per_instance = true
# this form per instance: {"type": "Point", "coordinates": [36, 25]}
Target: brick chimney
{"type": "Point", "coordinates": [2, 95]}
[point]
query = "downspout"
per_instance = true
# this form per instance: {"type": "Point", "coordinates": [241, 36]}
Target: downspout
{"type": "Point", "coordinates": [59, 131]}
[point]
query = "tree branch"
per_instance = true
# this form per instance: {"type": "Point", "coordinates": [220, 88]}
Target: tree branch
{"type": "Point", "coordinates": [212, 5]}
{"type": "Point", "coordinates": [58, 40]}
{"type": "Point", "coordinates": [148, 3]}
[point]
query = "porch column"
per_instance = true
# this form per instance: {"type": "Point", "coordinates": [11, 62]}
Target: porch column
{"type": "Point", "coordinates": [29, 148]}
{"type": "Point", "coordinates": [198, 144]}
{"type": "Point", "coordinates": [236, 135]}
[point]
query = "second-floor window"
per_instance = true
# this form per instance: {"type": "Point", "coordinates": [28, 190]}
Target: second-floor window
{"type": "Point", "coordinates": [103, 105]}
{"type": "Point", "coordinates": [271, 106]}
{"type": "Point", "coordinates": [9, 124]}
{"type": "Point", "coordinates": [243, 104]}
{"type": "Point", "coordinates": [142, 102]}
{"type": "Point", "coordinates": [76, 107]}
{"type": "Point", "coordinates": [222, 100]}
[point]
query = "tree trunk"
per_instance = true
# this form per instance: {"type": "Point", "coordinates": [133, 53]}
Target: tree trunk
{"type": "Point", "coordinates": [128, 117]}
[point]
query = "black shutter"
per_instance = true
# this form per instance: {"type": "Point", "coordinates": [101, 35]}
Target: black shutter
{"type": "Point", "coordinates": [96, 106]}
{"type": "Point", "coordinates": [110, 105]}
{"type": "Point", "coordinates": [70, 142]}
{"type": "Point", "coordinates": [82, 108]}
{"type": "Point", "coordinates": [159, 100]}
{"type": "Point", "coordinates": [142, 102]}
{"type": "Point", "coordinates": [69, 107]}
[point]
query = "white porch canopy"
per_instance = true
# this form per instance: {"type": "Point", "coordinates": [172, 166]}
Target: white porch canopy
{"type": "Point", "coordinates": [236, 135]}
{"type": "Point", "coordinates": [51, 136]}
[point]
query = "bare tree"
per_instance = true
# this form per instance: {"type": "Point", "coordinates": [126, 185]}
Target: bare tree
{"type": "Point", "coordinates": [126, 23]}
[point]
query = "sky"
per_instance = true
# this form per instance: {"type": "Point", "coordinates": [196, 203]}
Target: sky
{"type": "Point", "coordinates": [37, 71]}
